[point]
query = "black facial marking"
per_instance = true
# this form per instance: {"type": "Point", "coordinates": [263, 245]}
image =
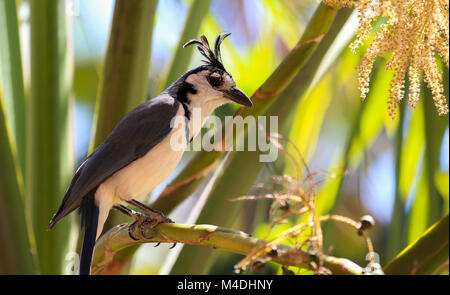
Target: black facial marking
{"type": "Point", "coordinates": [215, 79]}
{"type": "Point", "coordinates": [187, 113]}
{"type": "Point", "coordinates": [184, 90]}
{"type": "Point", "coordinates": [180, 90]}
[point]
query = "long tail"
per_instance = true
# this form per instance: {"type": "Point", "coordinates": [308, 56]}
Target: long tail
{"type": "Point", "coordinates": [89, 220]}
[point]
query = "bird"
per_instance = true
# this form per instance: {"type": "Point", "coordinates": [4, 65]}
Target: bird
{"type": "Point", "coordinates": [138, 154]}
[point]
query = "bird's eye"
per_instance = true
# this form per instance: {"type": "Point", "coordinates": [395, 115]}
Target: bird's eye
{"type": "Point", "coordinates": [215, 80]}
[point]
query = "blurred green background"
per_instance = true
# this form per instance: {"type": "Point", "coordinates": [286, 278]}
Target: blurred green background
{"type": "Point", "coordinates": [59, 63]}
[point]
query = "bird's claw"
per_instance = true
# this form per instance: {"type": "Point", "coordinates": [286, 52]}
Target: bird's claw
{"type": "Point", "coordinates": [150, 219]}
{"type": "Point", "coordinates": [131, 229]}
{"type": "Point", "coordinates": [159, 243]}
{"type": "Point", "coordinates": [142, 221]}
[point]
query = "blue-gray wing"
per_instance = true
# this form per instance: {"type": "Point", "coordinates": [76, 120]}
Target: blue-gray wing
{"type": "Point", "coordinates": [137, 133]}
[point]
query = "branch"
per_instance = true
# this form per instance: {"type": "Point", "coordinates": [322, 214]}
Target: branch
{"type": "Point", "coordinates": [112, 243]}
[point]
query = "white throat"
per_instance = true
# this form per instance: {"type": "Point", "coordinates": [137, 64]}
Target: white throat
{"type": "Point", "coordinates": [203, 102]}
{"type": "Point", "coordinates": [200, 109]}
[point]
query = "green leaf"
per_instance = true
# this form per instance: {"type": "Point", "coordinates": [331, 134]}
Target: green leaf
{"type": "Point", "coordinates": [124, 83]}
{"type": "Point", "coordinates": [328, 193]}
{"type": "Point", "coordinates": [397, 232]}
{"type": "Point", "coordinates": [366, 125]}
{"type": "Point", "coordinates": [15, 254]}
{"type": "Point", "coordinates": [435, 126]}
{"type": "Point", "coordinates": [411, 159]}
{"type": "Point", "coordinates": [426, 255]}
{"type": "Point", "coordinates": [441, 181]}
{"type": "Point", "coordinates": [420, 209]}
{"type": "Point", "coordinates": [317, 27]}
{"type": "Point", "coordinates": [50, 150]}
{"type": "Point", "coordinates": [373, 115]}
{"type": "Point", "coordinates": [182, 56]}
{"type": "Point", "coordinates": [412, 151]}
{"type": "Point", "coordinates": [308, 121]}
{"type": "Point", "coordinates": [11, 76]}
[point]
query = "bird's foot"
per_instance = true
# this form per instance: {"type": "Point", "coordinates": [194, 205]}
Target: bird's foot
{"type": "Point", "coordinates": [141, 221]}
{"type": "Point", "coordinates": [150, 219]}
{"type": "Point", "coordinates": [158, 216]}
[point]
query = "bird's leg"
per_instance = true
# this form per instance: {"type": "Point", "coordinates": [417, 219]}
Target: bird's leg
{"type": "Point", "coordinates": [158, 216]}
{"type": "Point", "coordinates": [139, 221]}
{"type": "Point", "coordinates": [124, 210]}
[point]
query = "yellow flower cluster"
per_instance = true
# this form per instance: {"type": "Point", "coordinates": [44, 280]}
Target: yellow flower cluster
{"type": "Point", "coordinates": [414, 31]}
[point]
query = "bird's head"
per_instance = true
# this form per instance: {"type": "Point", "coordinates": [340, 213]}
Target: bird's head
{"type": "Point", "coordinates": [208, 85]}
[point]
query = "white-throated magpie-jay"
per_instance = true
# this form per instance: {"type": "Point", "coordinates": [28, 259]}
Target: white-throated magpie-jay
{"type": "Point", "coordinates": [138, 154]}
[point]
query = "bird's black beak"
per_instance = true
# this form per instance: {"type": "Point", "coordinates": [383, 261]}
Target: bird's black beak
{"type": "Point", "coordinates": [238, 96]}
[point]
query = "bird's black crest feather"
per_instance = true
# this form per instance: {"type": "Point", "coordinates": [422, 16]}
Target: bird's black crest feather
{"type": "Point", "coordinates": [212, 58]}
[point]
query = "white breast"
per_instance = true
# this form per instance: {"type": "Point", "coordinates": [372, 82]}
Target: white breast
{"type": "Point", "coordinates": [137, 179]}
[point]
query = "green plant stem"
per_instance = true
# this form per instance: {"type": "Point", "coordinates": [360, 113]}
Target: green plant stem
{"type": "Point", "coordinates": [180, 62]}
{"type": "Point", "coordinates": [125, 74]}
{"type": "Point", "coordinates": [15, 253]}
{"type": "Point", "coordinates": [317, 27]}
{"type": "Point", "coordinates": [397, 232]}
{"type": "Point", "coordinates": [211, 236]}
{"type": "Point", "coordinates": [11, 76]}
{"type": "Point", "coordinates": [426, 255]}
{"type": "Point", "coordinates": [49, 150]}
{"type": "Point", "coordinates": [435, 126]}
